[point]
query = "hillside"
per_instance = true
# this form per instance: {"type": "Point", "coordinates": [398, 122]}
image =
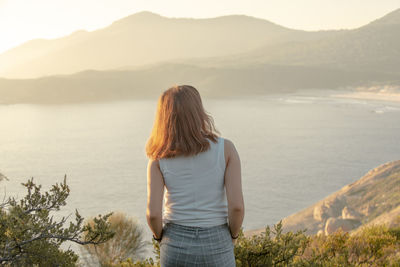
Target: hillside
{"type": "Point", "coordinates": [145, 38]}
{"type": "Point", "coordinates": [373, 47]}
{"type": "Point", "coordinates": [373, 199]}
{"type": "Point", "coordinates": [140, 55]}
{"type": "Point", "coordinates": [100, 86]}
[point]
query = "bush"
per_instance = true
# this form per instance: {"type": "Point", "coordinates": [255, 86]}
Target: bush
{"type": "Point", "coordinates": [270, 248]}
{"type": "Point", "coordinates": [29, 235]}
{"type": "Point", "coordinates": [375, 245]}
{"type": "Point", "coordinates": [127, 242]}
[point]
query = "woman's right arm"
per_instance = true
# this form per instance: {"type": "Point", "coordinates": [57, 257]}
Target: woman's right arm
{"type": "Point", "coordinates": [155, 193]}
{"type": "Point", "coordinates": [233, 185]}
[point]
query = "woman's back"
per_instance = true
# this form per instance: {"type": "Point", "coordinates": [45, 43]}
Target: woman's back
{"type": "Point", "coordinates": [199, 180]}
{"type": "Point", "coordinates": [195, 192]}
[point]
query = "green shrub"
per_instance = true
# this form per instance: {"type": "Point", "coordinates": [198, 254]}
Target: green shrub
{"type": "Point", "coordinates": [270, 248]}
{"type": "Point", "coordinates": [371, 246]}
{"type": "Point", "coordinates": [29, 235]}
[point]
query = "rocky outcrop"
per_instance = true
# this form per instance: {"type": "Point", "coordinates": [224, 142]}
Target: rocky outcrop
{"type": "Point", "coordinates": [328, 208]}
{"type": "Point", "coordinates": [375, 198]}
{"type": "Point", "coordinates": [349, 213]}
{"type": "Point", "coordinates": [346, 225]}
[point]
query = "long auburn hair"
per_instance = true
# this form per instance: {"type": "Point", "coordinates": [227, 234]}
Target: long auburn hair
{"type": "Point", "coordinates": [181, 125]}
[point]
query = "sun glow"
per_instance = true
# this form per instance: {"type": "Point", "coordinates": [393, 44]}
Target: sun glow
{"type": "Point", "coordinates": [23, 20]}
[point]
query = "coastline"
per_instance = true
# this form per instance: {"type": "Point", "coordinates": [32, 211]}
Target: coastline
{"type": "Point", "coordinates": [367, 95]}
{"type": "Point", "coordinates": [351, 207]}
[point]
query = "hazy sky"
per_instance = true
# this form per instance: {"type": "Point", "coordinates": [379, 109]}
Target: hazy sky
{"type": "Point", "coordinates": [23, 20]}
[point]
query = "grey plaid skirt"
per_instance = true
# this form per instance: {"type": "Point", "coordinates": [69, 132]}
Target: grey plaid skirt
{"type": "Point", "coordinates": [196, 246]}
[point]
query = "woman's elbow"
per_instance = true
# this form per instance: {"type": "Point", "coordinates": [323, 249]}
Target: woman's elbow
{"type": "Point", "coordinates": [237, 208]}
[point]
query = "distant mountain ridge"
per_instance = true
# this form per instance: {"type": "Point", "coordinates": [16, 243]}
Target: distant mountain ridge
{"type": "Point", "coordinates": [144, 38]}
{"type": "Point", "coordinates": [373, 47]}
{"type": "Point", "coordinates": [233, 55]}
{"type": "Point", "coordinates": [148, 38]}
{"type": "Point", "coordinates": [149, 82]}
{"type": "Point", "coordinates": [389, 19]}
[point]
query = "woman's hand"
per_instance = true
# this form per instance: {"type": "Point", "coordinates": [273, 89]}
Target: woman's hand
{"type": "Point", "coordinates": [234, 241]}
{"type": "Point", "coordinates": [158, 239]}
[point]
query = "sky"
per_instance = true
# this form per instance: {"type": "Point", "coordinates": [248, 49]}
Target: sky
{"type": "Point", "coordinates": [23, 20]}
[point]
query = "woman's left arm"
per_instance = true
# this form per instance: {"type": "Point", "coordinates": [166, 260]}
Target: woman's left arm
{"type": "Point", "coordinates": [155, 193]}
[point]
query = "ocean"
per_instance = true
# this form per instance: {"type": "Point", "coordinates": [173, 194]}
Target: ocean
{"type": "Point", "coordinates": [295, 149]}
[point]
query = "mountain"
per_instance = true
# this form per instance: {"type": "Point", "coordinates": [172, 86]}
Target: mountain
{"type": "Point", "coordinates": [146, 38]}
{"type": "Point", "coordinates": [373, 199]}
{"type": "Point", "coordinates": [137, 56]}
{"type": "Point", "coordinates": [149, 82]}
{"type": "Point", "coordinates": [392, 18]}
{"type": "Point", "coordinates": [373, 47]}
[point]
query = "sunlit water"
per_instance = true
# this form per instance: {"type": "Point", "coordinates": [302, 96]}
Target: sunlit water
{"type": "Point", "coordinates": [295, 149]}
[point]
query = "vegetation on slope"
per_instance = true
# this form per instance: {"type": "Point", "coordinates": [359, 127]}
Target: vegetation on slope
{"type": "Point", "coordinates": [29, 236]}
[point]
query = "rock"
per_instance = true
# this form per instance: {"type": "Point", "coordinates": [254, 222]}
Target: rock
{"type": "Point", "coordinates": [349, 213]}
{"type": "Point", "coordinates": [320, 213]}
{"type": "Point", "coordinates": [334, 224]}
{"type": "Point", "coordinates": [329, 208]}
{"type": "Point", "coordinates": [320, 232]}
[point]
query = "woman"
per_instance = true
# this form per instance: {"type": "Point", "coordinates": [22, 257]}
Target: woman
{"type": "Point", "coordinates": [201, 174]}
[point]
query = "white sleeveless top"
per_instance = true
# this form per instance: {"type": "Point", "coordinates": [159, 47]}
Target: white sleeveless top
{"type": "Point", "coordinates": [195, 191]}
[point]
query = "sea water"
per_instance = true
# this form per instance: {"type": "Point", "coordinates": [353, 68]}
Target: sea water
{"type": "Point", "coordinates": [295, 149]}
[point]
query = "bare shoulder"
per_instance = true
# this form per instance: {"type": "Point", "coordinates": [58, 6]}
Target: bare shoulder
{"type": "Point", "coordinates": [153, 163]}
{"type": "Point", "coordinates": [228, 144]}
{"type": "Point", "coordinates": [229, 150]}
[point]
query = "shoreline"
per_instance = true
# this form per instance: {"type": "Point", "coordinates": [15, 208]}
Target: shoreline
{"type": "Point", "coordinates": [375, 96]}
{"type": "Point", "coordinates": [392, 96]}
